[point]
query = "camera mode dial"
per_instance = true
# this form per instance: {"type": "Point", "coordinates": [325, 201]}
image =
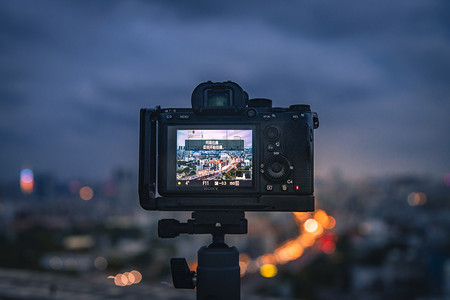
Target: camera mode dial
{"type": "Point", "coordinates": [260, 102]}
{"type": "Point", "coordinates": [277, 168]}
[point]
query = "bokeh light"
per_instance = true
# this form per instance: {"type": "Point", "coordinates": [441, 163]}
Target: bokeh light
{"type": "Point", "coordinates": [127, 278]}
{"type": "Point", "coordinates": [328, 247]}
{"type": "Point", "coordinates": [56, 263]}
{"type": "Point", "coordinates": [307, 239]}
{"type": "Point", "coordinates": [328, 243]}
{"type": "Point", "coordinates": [100, 263]}
{"type": "Point", "coordinates": [131, 277]}
{"type": "Point", "coordinates": [26, 181]}
{"type": "Point", "coordinates": [244, 260]}
{"type": "Point", "coordinates": [137, 276]}
{"type": "Point", "coordinates": [311, 225]}
{"type": "Point", "coordinates": [321, 217]}
{"type": "Point", "coordinates": [310, 231]}
{"type": "Point", "coordinates": [268, 270]}
{"type": "Point", "coordinates": [289, 251]}
{"type": "Point", "coordinates": [268, 259]}
{"type": "Point", "coordinates": [86, 193]}
{"type": "Point", "coordinates": [331, 222]}
{"type": "Point", "coordinates": [118, 280]}
{"type": "Point", "coordinates": [242, 267]}
{"type": "Point", "coordinates": [124, 279]}
{"type": "Point", "coordinates": [26, 175]}
{"type": "Point", "coordinates": [417, 199]}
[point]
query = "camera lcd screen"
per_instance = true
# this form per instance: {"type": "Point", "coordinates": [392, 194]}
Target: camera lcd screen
{"type": "Point", "coordinates": [220, 158]}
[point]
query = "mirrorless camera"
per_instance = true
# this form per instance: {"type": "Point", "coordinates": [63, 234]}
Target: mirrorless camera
{"type": "Point", "coordinates": [227, 153]}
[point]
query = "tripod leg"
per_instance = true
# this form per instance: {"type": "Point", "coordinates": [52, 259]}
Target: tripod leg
{"type": "Point", "coordinates": [218, 273]}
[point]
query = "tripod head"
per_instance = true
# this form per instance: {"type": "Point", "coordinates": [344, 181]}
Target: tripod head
{"type": "Point", "coordinates": [217, 223]}
{"type": "Point", "coordinates": [218, 272]}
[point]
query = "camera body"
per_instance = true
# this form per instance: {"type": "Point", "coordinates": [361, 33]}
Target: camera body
{"type": "Point", "coordinates": [227, 153]}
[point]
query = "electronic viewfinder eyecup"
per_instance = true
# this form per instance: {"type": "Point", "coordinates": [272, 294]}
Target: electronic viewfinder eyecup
{"type": "Point", "coordinates": [218, 98]}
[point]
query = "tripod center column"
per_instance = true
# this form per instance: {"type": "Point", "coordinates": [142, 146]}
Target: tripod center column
{"type": "Point", "coordinates": [218, 273]}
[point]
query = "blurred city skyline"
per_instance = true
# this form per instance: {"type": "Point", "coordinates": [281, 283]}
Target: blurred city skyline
{"type": "Point", "coordinates": [75, 74]}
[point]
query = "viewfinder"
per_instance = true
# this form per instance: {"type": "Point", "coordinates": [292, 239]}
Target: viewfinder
{"type": "Point", "coordinates": [218, 98]}
{"type": "Point", "coordinates": [223, 98]}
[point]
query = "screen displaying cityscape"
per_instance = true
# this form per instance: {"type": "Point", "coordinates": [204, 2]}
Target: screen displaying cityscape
{"type": "Point", "coordinates": [214, 157]}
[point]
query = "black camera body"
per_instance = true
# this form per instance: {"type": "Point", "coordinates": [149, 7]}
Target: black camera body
{"type": "Point", "coordinates": [227, 153]}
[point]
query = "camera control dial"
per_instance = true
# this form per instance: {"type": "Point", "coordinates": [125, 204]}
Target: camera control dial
{"type": "Point", "coordinates": [260, 102]}
{"type": "Point", "coordinates": [277, 168]}
{"type": "Point", "coordinates": [300, 107]}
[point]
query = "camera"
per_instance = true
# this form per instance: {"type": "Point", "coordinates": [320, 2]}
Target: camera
{"type": "Point", "coordinates": [227, 153]}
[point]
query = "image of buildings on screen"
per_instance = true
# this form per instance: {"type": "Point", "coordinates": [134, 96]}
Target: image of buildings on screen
{"type": "Point", "coordinates": [214, 155]}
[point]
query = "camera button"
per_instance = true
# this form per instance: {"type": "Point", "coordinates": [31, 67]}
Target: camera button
{"type": "Point", "coordinates": [168, 117]}
{"type": "Point", "coordinates": [269, 187]}
{"type": "Point", "coordinates": [251, 113]}
{"type": "Point", "coordinates": [184, 117]}
{"type": "Point", "coordinates": [284, 187]}
{"type": "Point", "coordinates": [272, 133]}
{"type": "Point", "coordinates": [266, 117]}
{"type": "Point", "coordinates": [270, 147]}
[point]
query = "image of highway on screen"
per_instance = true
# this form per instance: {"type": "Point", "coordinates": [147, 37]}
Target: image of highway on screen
{"type": "Point", "coordinates": [214, 157]}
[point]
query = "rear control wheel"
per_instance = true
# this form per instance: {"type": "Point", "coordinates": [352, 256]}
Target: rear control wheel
{"type": "Point", "coordinates": [277, 168]}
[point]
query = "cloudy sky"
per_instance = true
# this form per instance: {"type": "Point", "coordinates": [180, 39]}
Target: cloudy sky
{"type": "Point", "coordinates": [73, 76]}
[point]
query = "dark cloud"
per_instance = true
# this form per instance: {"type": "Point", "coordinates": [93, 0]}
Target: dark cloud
{"type": "Point", "coordinates": [73, 76]}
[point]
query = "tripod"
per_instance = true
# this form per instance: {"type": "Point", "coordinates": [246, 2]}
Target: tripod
{"type": "Point", "coordinates": [218, 272]}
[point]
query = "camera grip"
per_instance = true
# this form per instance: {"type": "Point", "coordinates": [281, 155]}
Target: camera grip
{"type": "Point", "coordinates": [147, 158]}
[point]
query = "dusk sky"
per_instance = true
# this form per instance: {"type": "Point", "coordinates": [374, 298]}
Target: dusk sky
{"type": "Point", "coordinates": [73, 76]}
